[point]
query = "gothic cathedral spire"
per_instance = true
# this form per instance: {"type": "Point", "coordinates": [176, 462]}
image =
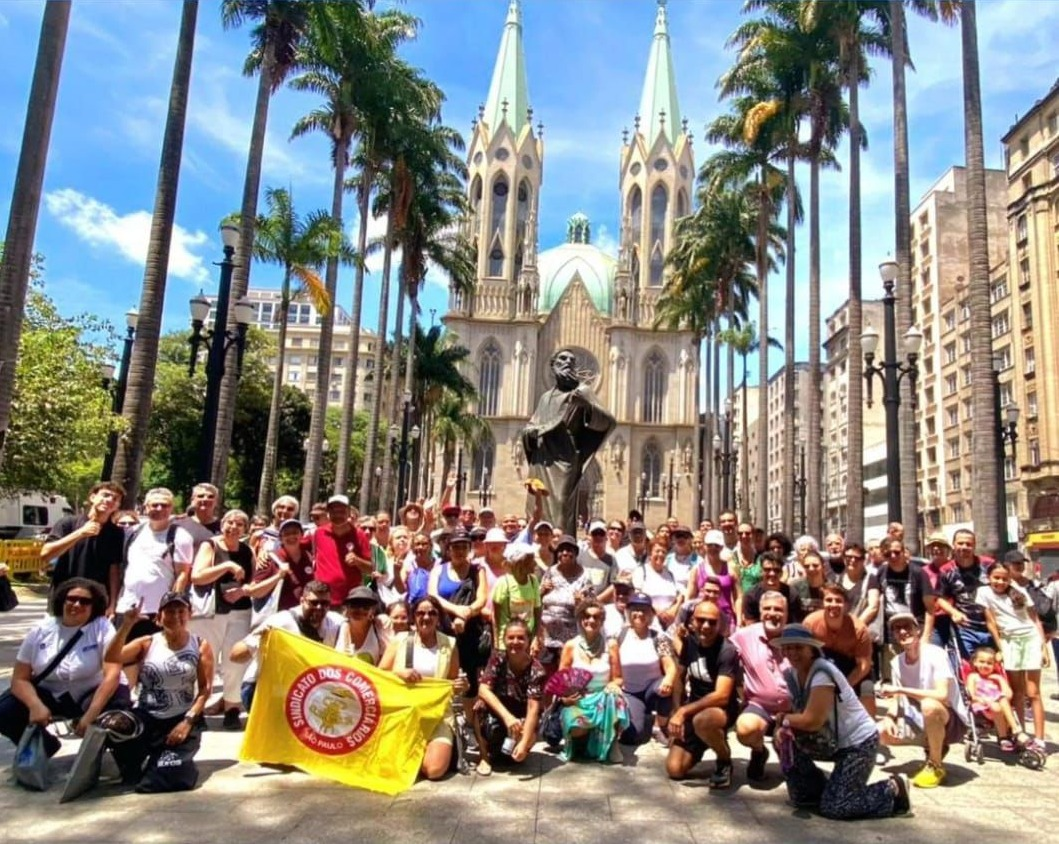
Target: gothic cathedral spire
{"type": "Point", "coordinates": [657, 172]}
{"type": "Point", "coordinates": [504, 160]}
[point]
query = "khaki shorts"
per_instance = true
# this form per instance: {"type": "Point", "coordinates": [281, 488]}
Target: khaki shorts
{"type": "Point", "coordinates": [445, 731]}
{"type": "Point", "coordinates": [1022, 653]}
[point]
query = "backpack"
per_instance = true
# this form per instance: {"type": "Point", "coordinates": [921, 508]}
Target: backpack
{"type": "Point", "coordinates": [130, 537]}
{"type": "Point", "coordinates": [1044, 606]}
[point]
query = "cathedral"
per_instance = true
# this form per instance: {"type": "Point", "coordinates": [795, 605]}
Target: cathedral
{"type": "Point", "coordinates": [530, 302]}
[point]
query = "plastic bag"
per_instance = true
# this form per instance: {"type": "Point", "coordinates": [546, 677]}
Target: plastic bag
{"type": "Point", "coordinates": [31, 759]}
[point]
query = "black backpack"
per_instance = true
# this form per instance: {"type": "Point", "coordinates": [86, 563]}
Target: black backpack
{"type": "Point", "coordinates": [1044, 606]}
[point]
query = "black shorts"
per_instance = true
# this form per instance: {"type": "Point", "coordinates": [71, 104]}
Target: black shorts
{"type": "Point", "coordinates": [693, 745]}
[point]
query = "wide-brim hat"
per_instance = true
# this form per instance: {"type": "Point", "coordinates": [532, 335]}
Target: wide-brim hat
{"type": "Point", "coordinates": [798, 634]}
{"type": "Point", "coordinates": [361, 595]}
{"type": "Point", "coordinates": [938, 539]}
{"type": "Point", "coordinates": [567, 541]}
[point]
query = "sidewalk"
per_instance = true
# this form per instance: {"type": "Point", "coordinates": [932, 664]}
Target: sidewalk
{"type": "Point", "coordinates": [545, 801]}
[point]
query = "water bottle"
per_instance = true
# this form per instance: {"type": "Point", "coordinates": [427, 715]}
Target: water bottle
{"type": "Point", "coordinates": [508, 747]}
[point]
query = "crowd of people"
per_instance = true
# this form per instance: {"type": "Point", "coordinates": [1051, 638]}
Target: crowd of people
{"type": "Point", "coordinates": [679, 636]}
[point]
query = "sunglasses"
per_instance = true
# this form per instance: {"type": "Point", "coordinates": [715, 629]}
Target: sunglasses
{"type": "Point", "coordinates": [127, 523]}
{"type": "Point", "coordinates": [853, 557]}
{"type": "Point", "coordinates": [77, 600]}
{"type": "Point", "coordinates": [891, 554]}
{"type": "Point", "coordinates": [427, 614]}
{"type": "Point", "coordinates": [771, 570]}
{"type": "Point", "coordinates": [709, 622]}
{"type": "Point", "coordinates": [594, 616]}
{"type": "Point", "coordinates": [319, 603]}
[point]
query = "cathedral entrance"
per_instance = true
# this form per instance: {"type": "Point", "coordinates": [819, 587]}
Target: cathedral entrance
{"type": "Point", "coordinates": [590, 494]}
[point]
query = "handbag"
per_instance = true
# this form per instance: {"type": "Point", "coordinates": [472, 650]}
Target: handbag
{"type": "Point", "coordinates": [8, 598]}
{"type": "Point", "coordinates": [552, 725]}
{"type": "Point", "coordinates": [820, 745]}
{"type": "Point", "coordinates": [31, 759]}
{"type": "Point", "coordinates": [203, 601]}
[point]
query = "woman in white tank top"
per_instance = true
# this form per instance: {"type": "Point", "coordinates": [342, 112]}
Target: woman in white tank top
{"type": "Point", "coordinates": [648, 672]}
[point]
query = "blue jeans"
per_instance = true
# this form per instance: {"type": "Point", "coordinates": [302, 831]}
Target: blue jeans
{"type": "Point", "coordinates": [968, 639]}
{"type": "Point", "coordinates": [246, 692]}
{"type": "Point", "coordinates": [941, 635]}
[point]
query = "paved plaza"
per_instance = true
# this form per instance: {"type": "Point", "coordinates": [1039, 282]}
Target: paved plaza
{"type": "Point", "coordinates": [545, 801]}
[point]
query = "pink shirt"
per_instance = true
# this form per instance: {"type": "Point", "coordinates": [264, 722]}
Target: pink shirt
{"type": "Point", "coordinates": [762, 664]}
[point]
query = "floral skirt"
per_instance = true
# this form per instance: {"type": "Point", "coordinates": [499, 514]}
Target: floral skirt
{"type": "Point", "coordinates": [604, 715]}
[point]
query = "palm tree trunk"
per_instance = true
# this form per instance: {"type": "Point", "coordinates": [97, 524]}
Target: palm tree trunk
{"type": "Point", "coordinates": [987, 481]}
{"type": "Point", "coordinates": [814, 499]}
{"type": "Point", "coordinates": [268, 469]}
{"type": "Point", "coordinates": [25, 199]}
{"type": "Point", "coordinates": [855, 418]}
{"type": "Point", "coordinates": [787, 503]}
{"type": "Point", "coordinates": [709, 507]}
{"type": "Point", "coordinates": [138, 392]}
{"type": "Point", "coordinates": [380, 359]}
{"type": "Point", "coordinates": [719, 495]}
{"type": "Point", "coordinates": [903, 248]}
{"type": "Point", "coordinates": [761, 503]}
{"type": "Point", "coordinates": [241, 273]}
{"type": "Point", "coordinates": [345, 431]}
{"type": "Point", "coordinates": [744, 451]}
{"type": "Point", "coordinates": [395, 383]}
{"type": "Point", "coordinates": [314, 452]}
{"type": "Point", "coordinates": [699, 503]}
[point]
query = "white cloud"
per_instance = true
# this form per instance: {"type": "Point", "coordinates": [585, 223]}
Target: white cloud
{"type": "Point", "coordinates": [605, 241]}
{"type": "Point", "coordinates": [97, 224]}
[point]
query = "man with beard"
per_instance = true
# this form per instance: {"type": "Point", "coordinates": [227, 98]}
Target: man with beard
{"type": "Point", "coordinates": [957, 588]}
{"type": "Point", "coordinates": [310, 619]}
{"type": "Point", "coordinates": [764, 688]}
{"type": "Point", "coordinates": [566, 430]}
{"type": "Point", "coordinates": [709, 664]}
{"type": "Point", "coordinates": [202, 523]}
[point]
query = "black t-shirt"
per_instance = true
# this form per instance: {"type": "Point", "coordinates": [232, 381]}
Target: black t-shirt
{"type": "Point", "coordinates": [244, 557]}
{"type": "Point", "coordinates": [904, 591]}
{"type": "Point", "coordinates": [752, 601]}
{"type": "Point", "coordinates": [200, 532]}
{"type": "Point", "coordinates": [90, 557]}
{"type": "Point", "coordinates": [804, 599]}
{"type": "Point", "coordinates": [960, 586]}
{"type": "Point", "coordinates": [704, 665]}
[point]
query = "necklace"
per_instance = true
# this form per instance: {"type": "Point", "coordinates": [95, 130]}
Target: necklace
{"type": "Point", "coordinates": [593, 651]}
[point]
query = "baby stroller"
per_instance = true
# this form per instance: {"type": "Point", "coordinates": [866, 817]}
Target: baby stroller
{"type": "Point", "coordinates": [979, 722]}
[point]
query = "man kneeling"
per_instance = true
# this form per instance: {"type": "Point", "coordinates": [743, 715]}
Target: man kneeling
{"type": "Point", "coordinates": [710, 663]}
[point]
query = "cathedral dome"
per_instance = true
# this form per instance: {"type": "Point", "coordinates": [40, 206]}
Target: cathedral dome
{"type": "Point", "coordinates": [577, 258]}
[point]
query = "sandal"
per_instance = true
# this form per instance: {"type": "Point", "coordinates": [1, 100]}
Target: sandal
{"type": "Point", "coordinates": [1007, 745]}
{"type": "Point", "coordinates": [484, 769]}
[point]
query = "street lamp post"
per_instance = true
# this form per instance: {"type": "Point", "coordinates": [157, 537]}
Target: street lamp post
{"type": "Point", "coordinates": [723, 455]}
{"type": "Point", "coordinates": [409, 432]}
{"type": "Point", "coordinates": [1007, 432]}
{"type": "Point", "coordinates": [670, 486]}
{"type": "Point", "coordinates": [217, 340]}
{"type": "Point", "coordinates": [642, 497]}
{"type": "Point", "coordinates": [485, 491]}
{"type": "Point", "coordinates": [378, 488]}
{"type": "Point", "coordinates": [800, 483]}
{"type": "Point", "coordinates": [118, 401]}
{"type": "Point", "coordinates": [890, 371]}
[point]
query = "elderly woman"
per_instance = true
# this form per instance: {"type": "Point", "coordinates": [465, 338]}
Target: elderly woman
{"type": "Point", "coordinates": [509, 697]}
{"type": "Point", "coordinates": [594, 717]}
{"type": "Point", "coordinates": [517, 595]}
{"type": "Point", "coordinates": [659, 582]}
{"type": "Point", "coordinates": [826, 713]}
{"type": "Point", "coordinates": [562, 587]}
{"type": "Point", "coordinates": [364, 634]}
{"type": "Point", "coordinates": [290, 563]}
{"type": "Point", "coordinates": [422, 653]}
{"type": "Point", "coordinates": [792, 568]}
{"type": "Point", "coordinates": [155, 744]}
{"type": "Point", "coordinates": [226, 565]}
{"type": "Point", "coordinates": [648, 673]}
{"type": "Point", "coordinates": [60, 671]}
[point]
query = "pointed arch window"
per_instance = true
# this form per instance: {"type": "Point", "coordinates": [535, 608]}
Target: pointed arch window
{"type": "Point", "coordinates": [654, 387]}
{"type": "Point", "coordinates": [522, 207]}
{"type": "Point", "coordinates": [651, 469]}
{"type": "Point", "coordinates": [496, 258]}
{"type": "Point", "coordinates": [483, 463]}
{"type": "Point", "coordinates": [636, 213]}
{"type": "Point", "coordinates": [476, 195]}
{"type": "Point", "coordinates": [682, 203]}
{"type": "Point", "coordinates": [489, 369]}
{"type": "Point", "coordinates": [659, 207]}
{"type": "Point", "coordinates": [498, 216]}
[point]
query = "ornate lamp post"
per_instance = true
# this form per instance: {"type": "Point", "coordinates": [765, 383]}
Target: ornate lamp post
{"type": "Point", "coordinates": [800, 483]}
{"type": "Point", "coordinates": [485, 490]}
{"type": "Point", "coordinates": [217, 340]}
{"type": "Point", "coordinates": [1007, 432]}
{"type": "Point", "coordinates": [890, 371]}
{"type": "Point", "coordinates": [670, 486]}
{"type": "Point", "coordinates": [118, 402]}
{"type": "Point", "coordinates": [641, 499]}
{"type": "Point", "coordinates": [409, 433]}
{"type": "Point", "coordinates": [724, 455]}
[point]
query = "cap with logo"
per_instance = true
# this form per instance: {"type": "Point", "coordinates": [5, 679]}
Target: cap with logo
{"type": "Point", "coordinates": [338, 499]}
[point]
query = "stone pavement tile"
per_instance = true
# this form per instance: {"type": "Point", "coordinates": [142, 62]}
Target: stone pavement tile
{"type": "Point", "coordinates": [342, 824]}
{"type": "Point", "coordinates": [573, 806]}
{"type": "Point", "coordinates": [609, 832]}
{"type": "Point", "coordinates": [495, 828]}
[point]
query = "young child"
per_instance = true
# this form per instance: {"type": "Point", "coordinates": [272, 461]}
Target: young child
{"type": "Point", "coordinates": [990, 694]}
{"type": "Point", "coordinates": [1013, 623]}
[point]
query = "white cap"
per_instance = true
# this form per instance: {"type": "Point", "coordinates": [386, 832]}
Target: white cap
{"type": "Point", "coordinates": [338, 499]}
{"type": "Point", "coordinates": [714, 537]}
{"type": "Point", "coordinates": [597, 525]}
{"type": "Point", "coordinates": [496, 535]}
{"type": "Point", "coordinates": [518, 551]}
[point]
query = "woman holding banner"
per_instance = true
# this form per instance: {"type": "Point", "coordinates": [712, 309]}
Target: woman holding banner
{"type": "Point", "coordinates": [423, 653]}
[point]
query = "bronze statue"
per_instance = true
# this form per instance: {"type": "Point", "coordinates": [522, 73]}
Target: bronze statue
{"type": "Point", "coordinates": [566, 430]}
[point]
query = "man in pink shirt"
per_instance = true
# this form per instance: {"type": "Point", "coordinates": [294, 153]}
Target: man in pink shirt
{"type": "Point", "coordinates": [342, 551]}
{"type": "Point", "coordinates": [764, 689]}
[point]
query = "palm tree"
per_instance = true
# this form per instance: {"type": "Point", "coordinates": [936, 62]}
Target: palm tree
{"type": "Point", "coordinates": [987, 481]}
{"type": "Point", "coordinates": [343, 58]}
{"type": "Point", "coordinates": [140, 385]}
{"type": "Point", "coordinates": [301, 246]}
{"type": "Point", "coordinates": [280, 26]}
{"type": "Point", "coordinates": [25, 198]}
{"type": "Point", "coordinates": [450, 425]}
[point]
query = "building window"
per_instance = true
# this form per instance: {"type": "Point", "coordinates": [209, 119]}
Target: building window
{"type": "Point", "coordinates": [1034, 449]}
{"type": "Point", "coordinates": [966, 344]}
{"type": "Point", "coordinates": [966, 376]}
{"type": "Point", "coordinates": [1002, 359]}
{"type": "Point", "coordinates": [1030, 362]}
{"type": "Point", "coordinates": [489, 380]}
{"type": "Point", "coordinates": [957, 512]}
{"type": "Point", "coordinates": [1024, 272]}
{"type": "Point", "coordinates": [998, 290]}
{"type": "Point", "coordinates": [654, 387]}
{"type": "Point", "coordinates": [483, 463]}
{"type": "Point", "coordinates": [1021, 229]}
{"type": "Point", "coordinates": [954, 415]}
{"type": "Point", "coordinates": [651, 470]}
{"type": "Point", "coordinates": [950, 320]}
{"type": "Point", "coordinates": [965, 312]}
{"type": "Point", "coordinates": [1007, 394]}
{"type": "Point", "coordinates": [1027, 316]}
{"type": "Point", "coordinates": [659, 206]}
{"type": "Point", "coordinates": [954, 448]}
{"type": "Point", "coordinates": [968, 410]}
{"type": "Point", "coordinates": [950, 384]}
{"type": "Point", "coordinates": [950, 353]}
{"type": "Point", "coordinates": [499, 207]}
{"type": "Point", "coordinates": [1031, 405]}
{"type": "Point", "coordinates": [1010, 472]}
{"type": "Point", "coordinates": [294, 376]}
{"type": "Point", "coordinates": [296, 341]}
{"type": "Point", "coordinates": [1001, 326]}
{"type": "Point", "coordinates": [954, 481]}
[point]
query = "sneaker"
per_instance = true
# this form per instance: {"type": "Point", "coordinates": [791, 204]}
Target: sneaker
{"type": "Point", "coordinates": [930, 776]}
{"type": "Point", "coordinates": [722, 774]}
{"type": "Point", "coordinates": [484, 769]}
{"type": "Point", "coordinates": [755, 771]}
{"type": "Point", "coordinates": [120, 725]}
{"type": "Point", "coordinates": [231, 720]}
{"type": "Point", "coordinates": [1038, 745]}
{"type": "Point", "coordinates": [902, 800]}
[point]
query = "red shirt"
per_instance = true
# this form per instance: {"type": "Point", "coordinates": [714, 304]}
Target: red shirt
{"type": "Point", "coordinates": [329, 554]}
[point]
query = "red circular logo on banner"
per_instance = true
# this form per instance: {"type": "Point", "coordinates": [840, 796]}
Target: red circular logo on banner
{"type": "Point", "coordinates": [332, 709]}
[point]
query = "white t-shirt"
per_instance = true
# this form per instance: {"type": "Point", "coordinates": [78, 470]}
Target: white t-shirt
{"type": "Point", "coordinates": [285, 620]}
{"type": "Point", "coordinates": [682, 568]}
{"type": "Point", "coordinates": [1011, 620]}
{"type": "Point", "coordinates": [661, 587]}
{"type": "Point", "coordinates": [855, 725]}
{"type": "Point", "coordinates": [625, 558]}
{"type": "Point", "coordinates": [932, 666]}
{"type": "Point", "coordinates": [640, 661]}
{"type": "Point", "coordinates": [598, 571]}
{"type": "Point", "coordinates": [150, 572]}
{"type": "Point", "coordinates": [81, 670]}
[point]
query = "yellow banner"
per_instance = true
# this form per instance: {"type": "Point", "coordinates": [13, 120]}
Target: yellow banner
{"type": "Point", "coordinates": [338, 717]}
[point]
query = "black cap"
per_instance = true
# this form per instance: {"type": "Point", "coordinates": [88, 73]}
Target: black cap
{"type": "Point", "coordinates": [361, 595]}
{"type": "Point", "coordinates": [567, 541]}
{"type": "Point", "coordinates": [174, 598]}
{"type": "Point", "coordinates": [1014, 556]}
{"type": "Point", "coordinates": [459, 535]}
{"type": "Point", "coordinates": [477, 534]}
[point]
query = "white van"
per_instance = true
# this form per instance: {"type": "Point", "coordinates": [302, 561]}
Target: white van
{"type": "Point", "coordinates": [27, 515]}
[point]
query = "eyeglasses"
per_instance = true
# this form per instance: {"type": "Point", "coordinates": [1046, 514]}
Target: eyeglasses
{"type": "Point", "coordinates": [427, 614]}
{"type": "Point", "coordinates": [317, 603]}
{"type": "Point", "coordinates": [127, 523]}
{"type": "Point", "coordinates": [892, 554]}
{"type": "Point", "coordinates": [853, 557]}
{"type": "Point", "coordinates": [78, 601]}
{"type": "Point", "coordinates": [592, 616]}
{"type": "Point", "coordinates": [746, 533]}
{"type": "Point", "coordinates": [709, 622]}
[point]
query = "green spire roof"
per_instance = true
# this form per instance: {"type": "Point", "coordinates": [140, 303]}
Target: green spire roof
{"type": "Point", "coordinates": [508, 92]}
{"type": "Point", "coordinates": [660, 86]}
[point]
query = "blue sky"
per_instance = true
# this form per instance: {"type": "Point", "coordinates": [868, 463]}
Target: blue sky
{"type": "Point", "coordinates": [585, 60]}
